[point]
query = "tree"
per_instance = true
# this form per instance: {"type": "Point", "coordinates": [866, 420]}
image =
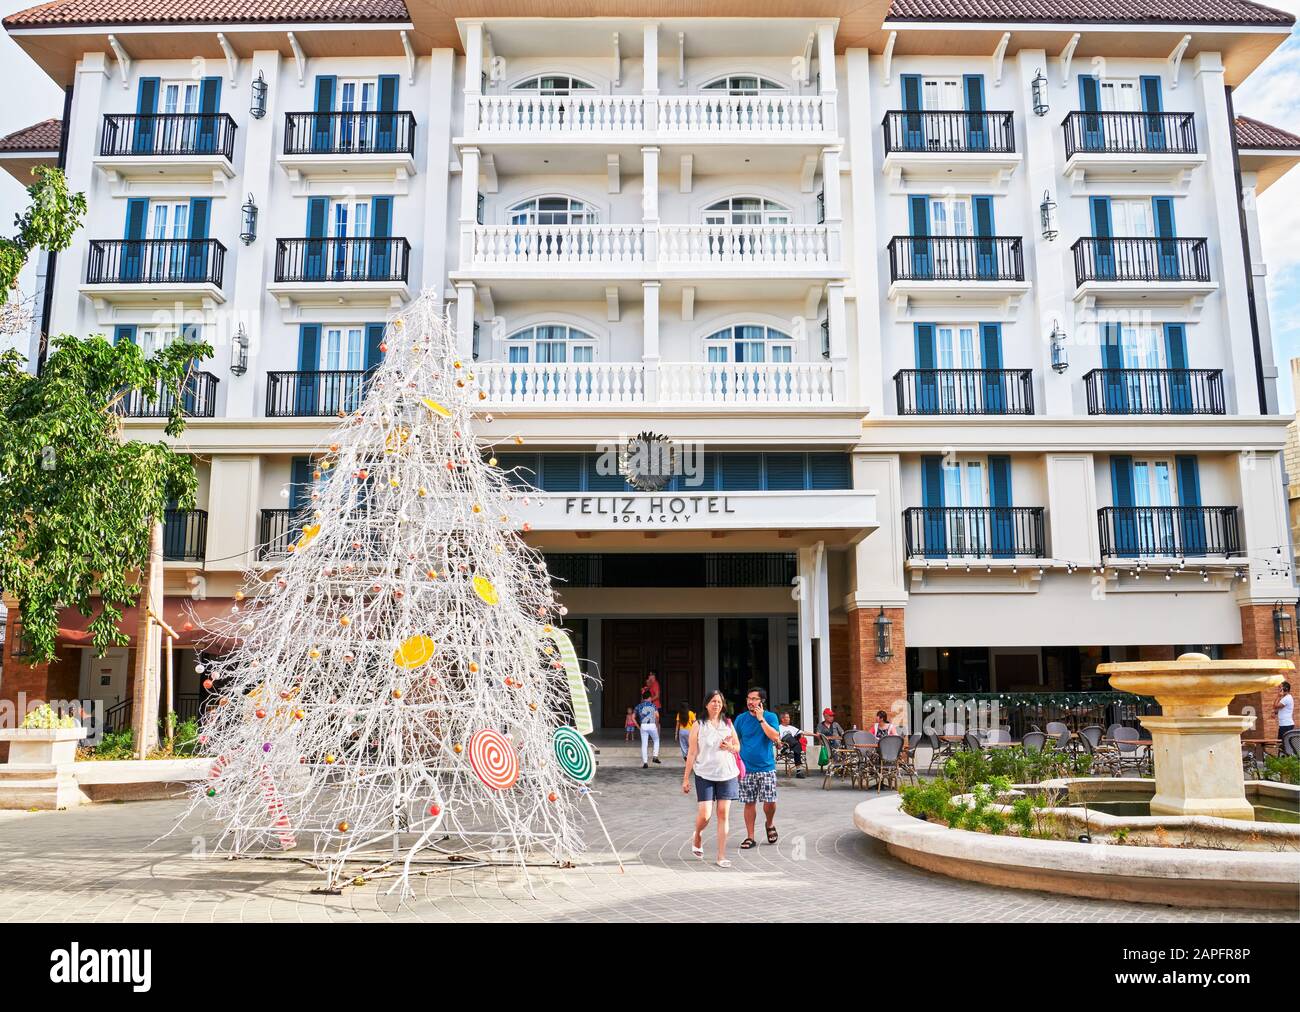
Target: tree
{"type": "Point", "coordinates": [52, 218]}
{"type": "Point", "coordinates": [77, 500]}
{"type": "Point", "coordinates": [400, 675]}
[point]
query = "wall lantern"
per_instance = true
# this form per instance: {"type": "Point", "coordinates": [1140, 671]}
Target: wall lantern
{"type": "Point", "coordinates": [1283, 630]}
{"type": "Point", "coordinates": [239, 352]}
{"type": "Point", "coordinates": [1047, 217]}
{"type": "Point", "coordinates": [249, 231]}
{"type": "Point", "coordinates": [1039, 85]}
{"type": "Point", "coordinates": [884, 648]}
{"type": "Point", "coordinates": [1060, 357]}
{"type": "Point", "coordinates": [257, 109]}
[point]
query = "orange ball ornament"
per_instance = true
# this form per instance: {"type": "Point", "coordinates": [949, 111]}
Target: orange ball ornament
{"type": "Point", "coordinates": [344, 827]}
{"type": "Point", "coordinates": [552, 797]}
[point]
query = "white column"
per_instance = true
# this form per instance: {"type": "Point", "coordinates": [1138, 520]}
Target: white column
{"type": "Point", "coordinates": [1259, 275]}
{"type": "Point", "coordinates": [650, 203]}
{"type": "Point", "coordinates": [807, 626]}
{"type": "Point", "coordinates": [822, 626]}
{"type": "Point", "coordinates": [1234, 308]}
{"type": "Point", "coordinates": [84, 127]}
{"type": "Point", "coordinates": [877, 576]}
{"type": "Point", "coordinates": [868, 246]}
{"type": "Point", "coordinates": [650, 339]}
{"type": "Point", "coordinates": [833, 203]}
{"type": "Point", "coordinates": [650, 75]}
{"type": "Point", "coordinates": [826, 67]}
{"type": "Point", "coordinates": [1264, 530]}
{"type": "Point", "coordinates": [465, 317]}
{"type": "Point", "coordinates": [437, 154]}
{"type": "Point", "coordinates": [473, 75]}
{"type": "Point", "coordinates": [837, 324]}
{"type": "Point", "coordinates": [469, 165]}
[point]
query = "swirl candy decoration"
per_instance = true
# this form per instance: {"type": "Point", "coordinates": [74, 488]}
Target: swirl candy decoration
{"type": "Point", "coordinates": [493, 759]}
{"type": "Point", "coordinates": [574, 755]}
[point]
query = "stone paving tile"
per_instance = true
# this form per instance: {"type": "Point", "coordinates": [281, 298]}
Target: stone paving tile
{"type": "Point", "coordinates": [123, 862]}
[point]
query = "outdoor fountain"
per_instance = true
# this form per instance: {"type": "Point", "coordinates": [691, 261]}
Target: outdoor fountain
{"type": "Point", "coordinates": [1195, 742]}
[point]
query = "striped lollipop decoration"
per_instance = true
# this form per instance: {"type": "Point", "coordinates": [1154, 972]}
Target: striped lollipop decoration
{"type": "Point", "coordinates": [574, 755]}
{"type": "Point", "coordinates": [493, 759]}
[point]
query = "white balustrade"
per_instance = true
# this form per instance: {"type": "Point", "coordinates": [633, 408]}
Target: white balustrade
{"type": "Point", "coordinates": [759, 383]}
{"type": "Point", "coordinates": [741, 115]}
{"type": "Point", "coordinates": [577, 114]}
{"type": "Point", "coordinates": [562, 383]}
{"type": "Point", "coordinates": [744, 244]}
{"type": "Point", "coordinates": [557, 244]}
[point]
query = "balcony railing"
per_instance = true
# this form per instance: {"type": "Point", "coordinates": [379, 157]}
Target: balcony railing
{"type": "Point", "coordinates": [373, 259]}
{"type": "Point", "coordinates": [717, 116]}
{"type": "Point", "coordinates": [1170, 531]}
{"type": "Point", "coordinates": [562, 382]}
{"type": "Point", "coordinates": [279, 529]}
{"type": "Point", "coordinates": [965, 391]}
{"type": "Point", "coordinates": [744, 115]}
{"type": "Point", "coordinates": [167, 134]}
{"type": "Point", "coordinates": [978, 532]}
{"type": "Point", "coordinates": [155, 262]}
{"type": "Point", "coordinates": [956, 258]}
{"type": "Point", "coordinates": [577, 114]}
{"type": "Point", "coordinates": [1149, 259]}
{"type": "Point", "coordinates": [1130, 133]}
{"type": "Point", "coordinates": [557, 244]}
{"type": "Point", "coordinates": [949, 132]}
{"type": "Point", "coordinates": [744, 244]}
{"type": "Point", "coordinates": [198, 399]}
{"type": "Point", "coordinates": [185, 535]}
{"type": "Point", "coordinates": [314, 394]}
{"type": "Point", "coordinates": [1154, 391]}
{"type": "Point", "coordinates": [349, 133]}
{"type": "Point", "coordinates": [759, 383]}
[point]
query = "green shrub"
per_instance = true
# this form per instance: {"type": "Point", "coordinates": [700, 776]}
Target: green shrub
{"type": "Point", "coordinates": [116, 745]}
{"type": "Point", "coordinates": [1284, 768]}
{"type": "Point", "coordinates": [45, 718]}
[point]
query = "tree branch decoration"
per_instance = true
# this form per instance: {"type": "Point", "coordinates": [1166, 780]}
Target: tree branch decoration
{"type": "Point", "coordinates": [393, 688]}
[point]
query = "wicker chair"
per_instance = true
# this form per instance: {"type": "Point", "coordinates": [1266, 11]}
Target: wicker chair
{"type": "Point", "coordinates": [1291, 743]}
{"type": "Point", "coordinates": [1061, 732]}
{"type": "Point", "coordinates": [841, 760]}
{"type": "Point", "coordinates": [1133, 753]}
{"type": "Point", "coordinates": [1093, 734]}
{"type": "Point", "coordinates": [867, 757]}
{"type": "Point", "coordinates": [1033, 741]}
{"type": "Point", "coordinates": [785, 756]}
{"type": "Point", "coordinates": [888, 756]}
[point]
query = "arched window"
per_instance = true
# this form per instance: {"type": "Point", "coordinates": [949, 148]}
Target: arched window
{"type": "Point", "coordinates": [749, 342]}
{"type": "Point", "coordinates": [552, 342]}
{"type": "Point", "coordinates": [552, 211]}
{"type": "Point", "coordinates": [746, 211]}
{"type": "Point", "coordinates": [743, 84]}
{"type": "Point", "coordinates": [553, 84]}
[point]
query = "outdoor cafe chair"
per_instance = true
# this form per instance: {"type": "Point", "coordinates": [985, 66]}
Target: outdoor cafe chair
{"type": "Point", "coordinates": [971, 743]}
{"type": "Point", "coordinates": [862, 742]}
{"type": "Point", "coordinates": [842, 760]}
{"type": "Point", "coordinates": [887, 760]}
{"type": "Point", "coordinates": [1033, 741]}
{"type": "Point", "coordinates": [1061, 732]}
{"type": "Point", "coordinates": [999, 734]}
{"type": "Point", "coordinates": [936, 748]}
{"type": "Point", "coordinates": [1291, 743]}
{"type": "Point", "coordinates": [1133, 752]}
{"type": "Point", "coordinates": [1093, 734]}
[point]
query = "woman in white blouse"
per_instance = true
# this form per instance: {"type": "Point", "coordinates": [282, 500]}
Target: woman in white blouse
{"type": "Point", "coordinates": [711, 757]}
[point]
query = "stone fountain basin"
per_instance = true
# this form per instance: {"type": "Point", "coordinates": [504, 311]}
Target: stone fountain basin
{"type": "Point", "coordinates": [1267, 878]}
{"type": "Point", "coordinates": [1187, 687]}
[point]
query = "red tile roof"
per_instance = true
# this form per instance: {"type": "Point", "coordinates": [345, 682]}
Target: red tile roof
{"type": "Point", "coordinates": [1252, 134]}
{"type": "Point", "coordinates": [66, 13]}
{"type": "Point", "coordinates": [1183, 12]}
{"type": "Point", "coordinates": [42, 136]}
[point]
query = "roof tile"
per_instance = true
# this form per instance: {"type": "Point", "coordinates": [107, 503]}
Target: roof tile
{"type": "Point", "coordinates": [65, 13]}
{"type": "Point", "coordinates": [1188, 12]}
{"type": "Point", "coordinates": [1254, 134]}
{"type": "Point", "coordinates": [42, 136]}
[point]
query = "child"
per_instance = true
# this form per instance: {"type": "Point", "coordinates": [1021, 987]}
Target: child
{"type": "Point", "coordinates": [629, 726]}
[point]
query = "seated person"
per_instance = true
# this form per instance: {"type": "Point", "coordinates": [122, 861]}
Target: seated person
{"type": "Point", "coordinates": [882, 726]}
{"type": "Point", "coordinates": [793, 738]}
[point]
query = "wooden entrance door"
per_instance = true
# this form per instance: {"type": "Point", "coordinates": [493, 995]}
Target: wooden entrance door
{"type": "Point", "coordinates": [630, 648]}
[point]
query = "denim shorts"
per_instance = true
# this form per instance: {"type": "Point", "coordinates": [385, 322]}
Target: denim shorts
{"type": "Point", "coordinates": [717, 790]}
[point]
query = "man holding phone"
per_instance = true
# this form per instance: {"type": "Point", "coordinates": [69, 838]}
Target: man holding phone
{"type": "Point", "coordinates": [757, 729]}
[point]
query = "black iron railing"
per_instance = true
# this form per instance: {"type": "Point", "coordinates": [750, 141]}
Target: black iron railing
{"type": "Point", "coordinates": [279, 529]}
{"type": "Point", "coordinates": [375, 259]}
{"type": "Point", "coordinates": [980, 532]}
{"type": "Point", "coordinates": [1175, 531]}
{"type": "Point", "coordinates": [956, 258]}
{"type": "Point", "coordinates": [349, 133]}
{"type": "Point", "coordinates": [168, 134]}
{"type": "Point", "coordinates": [965, 391]}
{"type": "Point", "coordinates": [953, 132]}
{"type": "Point", "coordinates": [1024, 711]}
{"type": "Point", "coordinates": [1124, 133]}
{"type": "Point", "coordinates": [1171, 259]}
{"type": "Point", "coordinates": [198, 398]}
{"type": "Point", "coordinates": [1154, 391]}
{"type": "Point", "coordinates": [117, 718]}
{"type": "Point", "coordinates": [314, 394]}
{"type": "Point", "coordinates": [155, 262]}
{"type": "Point", "coordinates": [185, 535]}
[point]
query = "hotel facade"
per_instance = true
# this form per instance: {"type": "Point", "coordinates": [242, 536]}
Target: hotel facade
{"type": "Point", "coordinates": [955, 312]}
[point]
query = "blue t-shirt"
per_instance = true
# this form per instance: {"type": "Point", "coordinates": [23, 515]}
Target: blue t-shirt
{"type": "Point", "coordinates": [646, 713]}
{"type": "Point", "coordinates": [757, 750]}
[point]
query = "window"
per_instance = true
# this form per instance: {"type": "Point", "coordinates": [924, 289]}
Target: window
{"type": "Point", "coordinates": [749, 343]}
{"type": "Point", "coordinates": [357, 95]}
{"type": "Point", "coordinates": [1131, 219]}
{"type": "Point", "coordinates": [743, 84]}
{"type": "Point", "coordinates": [956, 347]}
{"type": "Point", "coordinates": [942, 94]}
{"type": "Point", "coordinates": [344, 348]}
{"type": "Point", "coordinates": [950, 216]}
{"type": "Point", "coordinates": [746, 211]}
{"type": "Point", "coordinates": [350, 219]}
{"type": "Point", "coordinates": [169, 219]}
{"type": "Point", "coordinates": [964, 483]}
{"type": "Point", "coordinates": [154, 339]}
{"type": "Point", "coordinates": [180, 97]}
{"type": "Point", "coordinates": [551, 343]}
{"type": "Point", "coordinates": [553, 84]}
{"type": "Point", "coordinates": [552, 211]}
{"type": "Point", "coordinates": [1141, 347]}
{"type": "Point", "coordinates": [1152, 484]}
{"type": "Point", "coordinates": [1119, 95]}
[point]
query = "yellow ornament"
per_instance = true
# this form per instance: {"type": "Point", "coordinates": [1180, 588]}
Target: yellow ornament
{"type": "Point", "coordinates": [492, 462]}
{"type": "Point", "coordinates": [308, 535]}
{"type": "Point", "coordinates": [484, 589]}
{"type": "Point", "coordinates": [435, 407]}
{"type": "Point", "coordinates": [415, 651]}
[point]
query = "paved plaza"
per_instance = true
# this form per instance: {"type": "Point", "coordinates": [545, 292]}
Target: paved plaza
{"type": "Point", "coordinates": [101, 863]}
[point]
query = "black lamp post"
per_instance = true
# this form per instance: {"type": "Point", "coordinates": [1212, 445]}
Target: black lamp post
{"type": "Point", "coordinates": [257, 108]}
{"type": "Point", "coordinates": [1283, 630]}
{"type": "Point", "coordinates": [884, 646]}
{"type": "Point", "coordinates": [249, 230]}
{"type": "Point", "coordinates": [1039, 85]}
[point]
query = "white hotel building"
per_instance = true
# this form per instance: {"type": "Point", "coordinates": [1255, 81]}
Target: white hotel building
{"type": "Point", "coordinates": [962, 302]}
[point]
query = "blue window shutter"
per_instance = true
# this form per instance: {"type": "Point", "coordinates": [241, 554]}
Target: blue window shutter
{"type": "Point", "coordinates": [913, 135]}
{"type": "Point", "coordinates": [200, 213]}
{"type": "Point", "coordinates": [1163, 208]}
{"type": "Point", "coordinates": [210, 95]}
{"type": "Point", "coordinates": [205, 136]}
{"type": "Point", "coordinates": [1089, 93]}
{"type": "Point", "coordinates": [1125, 520]}
{"type": "Point", "coordinates": [739, 472]}
{"type": "Point", "coordinates": [322, 130]}
{"type": "Point", "coordinates": [1175, 346]}
{"type": "Point", "coordinates": [317, 208]}
{"type": "Point", "coordinates": [385, 122]}
{"type": "Point", "coordinates": [324, 93]}
{"type": "Point", "coordinates": [995, 390]}
{"type": "Point", "coordinates": [1112, 356]}
{"type": "Point", "coordinates": [1151, 101]}
{"type": "Point", "coordinates": [146, 99]}
{"type": "Point", "coordinates": [925, 354]}
{"type": "Point", "coordinates": [829, 471]}
{"type": "Point", "coordinates": [1002, 528]}
{"type": "Point", "coordinates": [561, 472]}
{"type": "Point", "coordinates": [911, 85]}
{"type": "Point", "coordinates": [919, 214]}
{"type": "Point", "coordinates": [991, 345]}
{"type": "Point", "coordinates": [124, 332]}
{"type": "Point", "coordinates": [785, 471]}
{"type": "Point", "coordinates": [1099, 207]}
{"type": "Point", "coordinates": [934, 526]}
{"type": "Point", "coordinates": [524, 466]}
{"type": "Point", "coordinates": [374, 338]}
{"type": "Point", "coordinates": [388, 84]}
{"type": "Point", "coordinates": [931, 481]}
{"type": "Point", "coordinates": [999, 479]}
{"type": "Point", "coordinates": [137, 212]}
{"type": "Point", "coordinates": [927, 384]}
{"type": "Point", "coordinates": [976, 128]}
{"type": "Point", "coordinates": [196, 252]}
{"type": "Point", "coordinates": [1121, 480]}
{"type": "Point", "coordinates": [597, 482]}
{"type": "Point", "coordinates": [983, 211]}
{"type": "Point", "coordinates": [1189, 480]}
{"type": "Point", "coordinates": [974, 89]}
{"type": "Point", "coordinates": [309, 347]}
{"type": "Point", "coordinates": [300, 481]}
{"type": "Point", "coordinates": [1191, 522]}
{"type": "Point", "coordinates": [381, 216]}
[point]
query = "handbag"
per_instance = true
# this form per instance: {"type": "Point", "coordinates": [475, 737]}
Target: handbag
{"type": "Point", "coordinates": [824, 757]}
{"type": "Point", "coordinates": [740, 763]}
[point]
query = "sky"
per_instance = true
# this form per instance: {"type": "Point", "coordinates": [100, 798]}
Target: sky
{"type": "Point", "coordinates": [1272, 94]}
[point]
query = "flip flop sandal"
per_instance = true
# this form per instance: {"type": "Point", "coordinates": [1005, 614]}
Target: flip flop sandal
{"type": "Point", "coordinates": [771, 834]}
{"type": "Point", "coordinates": [697, 851]}
{"type": "Point", "coordinates": [724, 863]}
{"type": "Point", "coordinates": [748, 843]}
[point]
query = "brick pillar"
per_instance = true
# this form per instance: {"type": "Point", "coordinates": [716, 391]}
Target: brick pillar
{"type": "Point", "coordinates": [839, 672]}
{"type": "Point", "coordinates": [872, 685]}
{"type": "Point", "coordinates": [30, 684]}
{"type": "Point", "coordinates": [1257, 644]}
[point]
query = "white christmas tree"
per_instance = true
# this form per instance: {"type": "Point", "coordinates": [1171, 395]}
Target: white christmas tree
{"type": "Point", "coordinates": [397, 684]}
